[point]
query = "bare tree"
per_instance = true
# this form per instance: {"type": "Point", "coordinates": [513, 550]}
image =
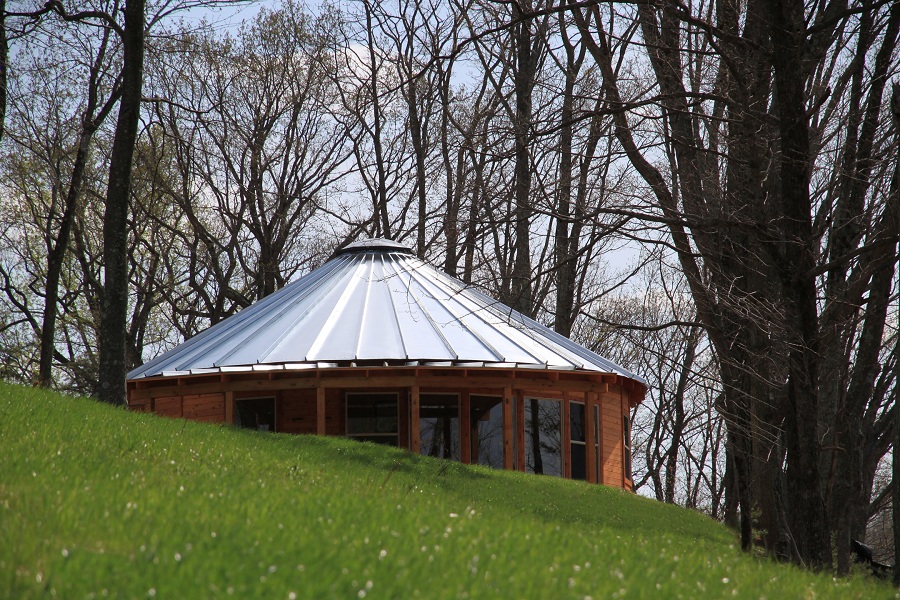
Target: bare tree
{"type": "Point", "coordinates": [739, 206]}
{"type": "Point", "coordinates": [251, 122]}
{"type": "Point", "coordinates": [53, 125]}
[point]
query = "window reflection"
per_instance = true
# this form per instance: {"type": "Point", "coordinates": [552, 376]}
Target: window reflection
{"type": "Point", "coordinates": [256, 413]}
{"type": "Point", "coordinates": [543, 448]}
{"type": "Point", "coordinates": [577, 440]}
{"type": "Point", "coordinates": [626, 426]}
{"type": "Point", "coordinates": [486, 415]}
{"type": "Point", "coordinates": [439, 425]}
{"type": "Point", "coordinates": [373, 418]}
{"type": "Point", "coordinates": [598, 462]}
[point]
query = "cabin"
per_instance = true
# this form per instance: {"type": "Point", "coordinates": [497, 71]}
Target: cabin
{"type": "Point", "coordinates": [379, 346]}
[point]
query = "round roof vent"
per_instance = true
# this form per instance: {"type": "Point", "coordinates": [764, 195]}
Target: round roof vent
{"type": "Point", "coordinates": [374, 245]}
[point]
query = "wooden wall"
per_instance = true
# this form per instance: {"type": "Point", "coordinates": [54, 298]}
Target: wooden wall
{"type": "Point", "coordinates": [611, 410]}
{"type": "Point", "coordinates": [296, 412]}
{"type": "Point", "coordinates": [209, 408]}
{"type": "Point", "coordinates": [335, 413]}
{"type": "Point", "coordinates": [168, 407]}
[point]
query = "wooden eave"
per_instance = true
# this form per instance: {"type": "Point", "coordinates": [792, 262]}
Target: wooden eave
{"type": "Point", "coordinates": [486, 378]}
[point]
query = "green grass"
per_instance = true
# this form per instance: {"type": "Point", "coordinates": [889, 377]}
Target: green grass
{"type": "Point", "coordinates": [98, 502]}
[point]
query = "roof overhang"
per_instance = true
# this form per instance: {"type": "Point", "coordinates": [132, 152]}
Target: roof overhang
{"type": "Point", "coordinates": [376, 305]}
{"type": "Point", "coordinates": [546, 382]}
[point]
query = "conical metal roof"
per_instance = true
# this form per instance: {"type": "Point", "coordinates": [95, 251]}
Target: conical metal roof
{"type": "Point", "coordinates": [376, 303]}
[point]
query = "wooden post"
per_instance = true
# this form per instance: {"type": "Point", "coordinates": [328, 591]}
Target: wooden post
{"type": "Point", "coordinates": [590, 441]}
{"type": "Point", "coordinates": [508, 462]}
{"type": "Point", "coordinates": [465, 429]}
{"type": "Point", "coordinates": [320, 410]}
{"type": "Point", "coordinates": [414, 433]}
{"type": "Point", "coordinates": [229, 407]}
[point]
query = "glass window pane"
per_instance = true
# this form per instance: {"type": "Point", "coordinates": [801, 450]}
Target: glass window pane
{"type": "Point", "coordinates": [486, 415]}
{"type": "Point", "coordinates": [439, 425]}
{"type": "Point", "coordinates": [543, 448]}
{"type": "Point", "coordinates": [576, 421]}
{"type": "Point", "coordinates": [599, 460]}
{"type": "Point", "coordinates": [626, 424]}
{"type": "Point", "coordinates": [373, 418]}
{"type": "Point", "coordinates": [578, 449]}
{"type": "Point", "coordinates": [258, 413]}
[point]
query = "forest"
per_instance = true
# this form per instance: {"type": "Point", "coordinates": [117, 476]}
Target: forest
{"type": "Point", "coordinates": [704, 191]}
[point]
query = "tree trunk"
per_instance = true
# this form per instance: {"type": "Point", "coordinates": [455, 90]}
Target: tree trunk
{"type": "Point", "coordinates": [415, 129]}
{"type": "Point", "coordinates": [112, 368]}
{"type": "Point", "coordinates": [381, 219]}
{"type": "Point", "coordinates": [4, 67]}
{"type": "Point", "coordinates": [565, 259]}
{"type": "Point", "coordinates": [520, 293]}
{"type": "Point", "coordinates": [56, 257]}
{"type": "Point", "coordinates": [678, 419]}
{"type": "Point", "coordinates": [893, 215]}
{"type": "Point", "coordinates": [57, 252]}
{"type": "Point", "coordinates": [806, 504]}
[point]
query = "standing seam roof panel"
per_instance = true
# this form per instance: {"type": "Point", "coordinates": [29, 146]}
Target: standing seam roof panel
{"type": "Point", "coordinates": [423, 338]}
{"type": "Point", "coordinates": [457, 334]}
{"type": "Point", "coordinates": [313, 313]}
{"type": "Point", "coordinates": [209, 343]}
{"type": "Point", "coordinates": [376, 301]}
{"type": "Point", "coordinates": [337, 339]}
{"type": "Point", "coordinates": [255, 346]}
{"type": "Point", "coordinates": [508, 343]}
{"type": "Point", "coordinates": [450, 304]}
{"type": "Point", "coordinates": [379, 335]}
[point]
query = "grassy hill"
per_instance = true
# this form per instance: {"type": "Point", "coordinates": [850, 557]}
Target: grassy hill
{"type": "Point", "coordinates": [97, 502]}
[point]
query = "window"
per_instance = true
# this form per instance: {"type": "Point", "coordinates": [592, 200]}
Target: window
{"type": "Point", "coordinates": [599, 461]}
{"type": "Point", "coordinates": [373, 418]}
{"type": "Point", "coordinates": [486, 417]}
{"type": "Point", "coordinates": [543, 439]}
{"type": "Point", "coordinates": [439, 425]}
{"type": "Point", "coordinates": [577, 440]}
{"type": "Point", "coordinates": [255, 413]}
{"type": "Point", "coordinates": [626, 425]}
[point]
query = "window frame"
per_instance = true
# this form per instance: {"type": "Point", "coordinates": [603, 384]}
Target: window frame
{"type": "Point", "coordinates": [373, 435]}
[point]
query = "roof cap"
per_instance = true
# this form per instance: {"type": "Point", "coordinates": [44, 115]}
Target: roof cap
{"type": "Point", "coordinates": [374, 245]}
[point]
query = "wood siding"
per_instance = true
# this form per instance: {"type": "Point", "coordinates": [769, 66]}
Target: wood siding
{"type": "Point", "coordinates": [209, 408]}
{"type": "Point", "coordinates": [299, 403]}
{"type": "Point", "coordinates": [611, 434]}
{"type": "Point", "coordinates": [297, 411]}
{"type": "Point", "coordinates": [168, 407]}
